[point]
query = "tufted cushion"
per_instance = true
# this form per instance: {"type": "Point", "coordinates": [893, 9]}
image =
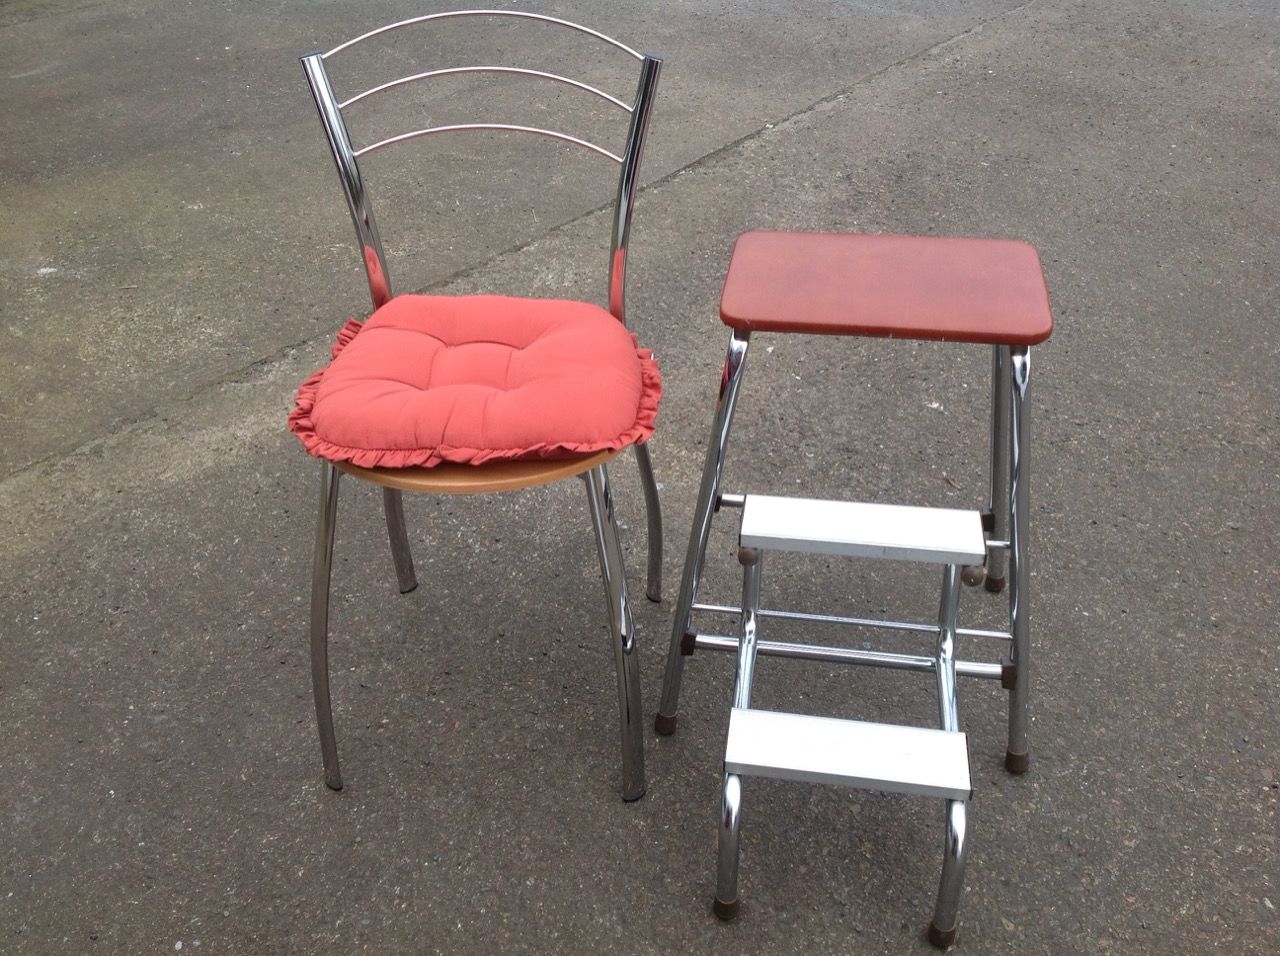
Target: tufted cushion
{"type": "Point", "coordinates": [472, 379]}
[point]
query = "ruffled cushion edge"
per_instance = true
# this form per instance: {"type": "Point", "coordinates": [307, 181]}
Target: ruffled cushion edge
{"type": "Point", "coordinates": [302, 425]}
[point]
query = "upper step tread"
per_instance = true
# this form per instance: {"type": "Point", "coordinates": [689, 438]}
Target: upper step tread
{"type": "Point", "coordinates": [863, 529]}
{"type": "Point", "coordinates": [890, 757]}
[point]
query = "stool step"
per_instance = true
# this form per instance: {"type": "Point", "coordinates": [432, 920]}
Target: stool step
{"type": "Point", "coordinates": [916, 760]}
{"type": "Point", "coordinates": [864, 530]}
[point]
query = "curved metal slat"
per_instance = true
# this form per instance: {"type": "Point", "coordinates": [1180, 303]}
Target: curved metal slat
{"type": "Point", "coordinates": [483, 13]}
{"type": "Point", "coordinates": [453, 71]}
{"type": "Point", "coordinates": [501, 127]}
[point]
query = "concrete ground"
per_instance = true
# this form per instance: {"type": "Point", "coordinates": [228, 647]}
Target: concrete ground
{"type": "Point", "coordinates": [174, 259]}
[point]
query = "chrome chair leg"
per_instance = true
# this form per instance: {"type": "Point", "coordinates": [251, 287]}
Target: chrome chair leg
{"type": "Point", "coordinates": [730, 381]}
{"type": "Point", "coordinates": [653, 511]}
{"type": "Point", "coordinates": [1018, 756]}
{"type": "Point", "coordinates": [942, 930]}
{"type": "Point", "coordinates": [322, 569]}
{"type": "Point", "coordinates": [401, 554]}
{"type": "Point", "coordinates": [622, 629]}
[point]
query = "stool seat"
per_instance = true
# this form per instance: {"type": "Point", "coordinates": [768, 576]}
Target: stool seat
{"type": "Point", "coordinates": [986, 291]}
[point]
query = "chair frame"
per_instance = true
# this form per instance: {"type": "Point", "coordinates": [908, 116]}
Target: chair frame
{"type": "Point", "coordinates": [499, 476]}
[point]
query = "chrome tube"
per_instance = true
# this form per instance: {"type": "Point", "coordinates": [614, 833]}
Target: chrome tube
{"type": "Point", "coordinates": [998, 501]}
{"type": "Point", "coordinates": [726, 901]}
{"type": "Point", "coordinates": [344, 157]}
{"type": "Point", "coordinates": [321, 572]}
{"type": "Point", "coordinates": [730, 381]}
{"type": "Point", "coordinates": [622, 629]}
{"type": "Point", "coordinates": [751, 560]}
{"type": "Point", "coordinates": [455, 14]}
{"type": "Point", "coordinates": [946, 662]}
{"type": "Point", "coordinates": [916, 663]}
{"type": "Point", "coordinates": [1018, 756]}
{"type": "Point", "coordinates": [653, 511]}
{"type": "Point", "coordinates": [401, 553]}
{"type": "Point", "coordinates": [629, 182]}
{"type": "Point", "coordinates": [942, 931]}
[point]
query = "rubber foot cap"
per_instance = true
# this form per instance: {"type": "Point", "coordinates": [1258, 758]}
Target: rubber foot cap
{"type": "Point", "coordinates": [664, 725]}
{"type": "Point", "coordinates": [940, 939]}
{"type": "Point", "coordinates": [973, 575]}
{"type": "Point", "coordinates": [994, 585]}
{"type": "Point", "coordinates": [1017, 763]}
{"type": "Point", "coordinates": [334, 785]}
{"type": "Point", "coordinates": [725, 911]}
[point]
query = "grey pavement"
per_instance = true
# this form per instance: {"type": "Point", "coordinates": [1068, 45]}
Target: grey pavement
{"type": "Point", "coordinates": [174, 260]}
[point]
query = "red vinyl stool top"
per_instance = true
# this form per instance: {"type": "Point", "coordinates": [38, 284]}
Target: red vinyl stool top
{"type": "Point", "coordinates": [989, 291]}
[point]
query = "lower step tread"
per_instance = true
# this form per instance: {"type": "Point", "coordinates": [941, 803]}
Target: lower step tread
{"type": "Point", "coordinates": [889, 757]}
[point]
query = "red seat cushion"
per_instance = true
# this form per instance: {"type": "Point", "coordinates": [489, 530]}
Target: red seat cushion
{"type": "Point", "coordinates": [473, 379]}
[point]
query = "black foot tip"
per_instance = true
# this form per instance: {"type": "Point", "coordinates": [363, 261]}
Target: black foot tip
{"type": "Point", "coordinates": [1017, 763]}
{"type": "Point", "coordinates": [994, 585]}
{"type": "Point", "coordinates": [664, 725]}
{"type": "Point", "coordinates": [973, 575]}
{"type": "Point", "coordinates": [723, 910]}
{"type": "Point", "coordinates": [940, 939]}
{"type": "Point", "coordinates": [334, 785]}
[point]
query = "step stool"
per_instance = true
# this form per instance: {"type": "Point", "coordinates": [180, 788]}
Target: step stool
{"type": "Point", "coordinates": [958, 290]}
{"type": "Point", "coordinates": [874, 756]}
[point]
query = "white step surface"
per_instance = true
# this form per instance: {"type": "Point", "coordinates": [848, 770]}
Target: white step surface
{"type": "Point", "coordinates": [916, 760]}
{"type": "Point", "coordinates": [861, 529]}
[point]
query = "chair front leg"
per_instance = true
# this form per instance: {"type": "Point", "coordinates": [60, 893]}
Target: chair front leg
{"type": "Point", "coordinates": [401, 554]}
{"type": "Point", "coordinates": [321, 572]}
{"type": "Point", "coordinates": [622, 630]}
{"type": "Point", "coordinates": [653, 511]}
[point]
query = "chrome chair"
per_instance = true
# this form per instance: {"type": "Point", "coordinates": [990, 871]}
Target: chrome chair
{"type": "Point", "coordinates": [459, 395]}
{"type": "Point", "coordinates": [966, 291]}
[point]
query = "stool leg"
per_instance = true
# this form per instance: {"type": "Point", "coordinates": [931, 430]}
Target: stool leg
{"type": "Point", "coordinates": [946, 663]}
{"type": "Point", "coordinates": [1018, 756]}
{"type": "Point", "coordinates": [725, 904]}
{"type": "Point", "coordinates": [998, 502]}
{"type": "Point", "coordinates": [942, 930]}
{"type": "Point", "coordinates": [730, 380]}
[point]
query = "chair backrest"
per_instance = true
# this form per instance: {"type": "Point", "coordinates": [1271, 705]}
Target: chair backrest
{"type": "Point", "coordinates": [634, 115]}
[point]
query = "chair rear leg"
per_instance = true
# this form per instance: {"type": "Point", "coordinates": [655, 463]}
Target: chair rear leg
{"type": "Point", "coordinates": [401, 554]}
{"type": "Point", "coordinates": [942, 931]}
{"type": "Point", "coordinates": [322, 568]}
{"type": "Point", "coordinates": [653, 511]}
{"type": "Point", "coordinates": [613, 574]}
